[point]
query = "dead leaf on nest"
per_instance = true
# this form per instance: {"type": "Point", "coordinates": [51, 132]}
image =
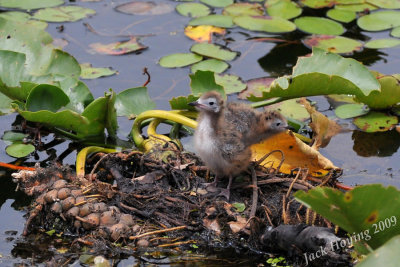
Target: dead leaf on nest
{"type": "Point", "coordinates": [212, 225]}
{"type": "Point", "coordinates": [323, 128]}
{"type": "Point", "coordinates": [297, 155]}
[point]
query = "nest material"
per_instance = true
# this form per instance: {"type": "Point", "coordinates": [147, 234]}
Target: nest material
{"type": "Point", "coordinates": [159, 200]}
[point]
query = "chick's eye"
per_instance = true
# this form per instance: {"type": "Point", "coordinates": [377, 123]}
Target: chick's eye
{"type": "Point", "coordinates": [211, 103]}
{"type": "Point", "coordinates": [278, 123]}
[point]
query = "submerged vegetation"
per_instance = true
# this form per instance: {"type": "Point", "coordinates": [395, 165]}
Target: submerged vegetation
{"type": "Point", "coordinates": [42, 84]}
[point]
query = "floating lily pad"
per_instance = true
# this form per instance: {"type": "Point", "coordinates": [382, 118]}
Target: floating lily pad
{"type": "Point", "coordinates": [30, 4]}
{"type": "Point", "coordinates": [334, 44]}
{"type": "Point", "coordinates": [131, 102]}
{"type": "Point", "coordinates": [380, 20]}
{"type": "Point", "coordinates": [213, 65]}
{"type": "Point", "coordinates": [5, 105]}
{"type": "Point", "coordinates": [292, 109]}
{"type": "Point", "coordinates": [63, 13]}
{"type": "Point", "coordinates": [118, 48]}
{"type": "Point", "coordinates": [217, 3]}
{"type": "Point", "coordinates": [265, 24]}
{"type": "Point", "coordinates": [19, 150]}
{"type": "Point", "coordinates": [395, 32]}
{"type": "Point", "coordinates": [230, 83]}
{"type": "Point", "coordinates": [387, 4]}
{"type": "Point", "coordinates": [23, 17]}
{"type": "Point", "coordinates": [203, 33]}
{"type": "Point", "coordinates": [382, 43]}
{"type": "Point", "coordinates": [375, 122]}
{"type": "Point", "coordinates": [285, 9]}
{"type": "Point", "coordinates": [193, 9]}
{"type": "Point", "coordinates": [318, 3]}
{"type": "Point", "coordinates": [179, 60]}
{"type": "Point", "coordinates": [204, 81]}
{"type": "Point", "coordinates": [316, 25]}
{"type": "Point", "coordinates": [345, 16]}
{"type": "Point", "coordinates": [213, 20]}
{"type": "Point", "coordinates": [144, 8]}
{"type": "Point", "coordinates": [240, 9]}
{"type": "Point", "coordinates": [348, 111]}
{"type": "Point", "coordinates": [11, 136]}
{"type": "Point", "coordinates": [213, 51]}
{"type": "Point", "coordinates": [88, 72]}
{"type": "Point", "coordinates": [356, 7]}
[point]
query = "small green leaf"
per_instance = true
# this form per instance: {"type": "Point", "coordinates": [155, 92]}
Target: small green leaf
{"type": "Point", "coordinates": [291, 109]}
{"type": "Point", "coordinates": [332, 43]}
{"type": "Point", "coordinates": [382, 43]}
{"type": "Point", "coordinates": [345, 16]}
{"type": "Point", "coordinates": [5, 105]}
{"type": "Point", "coordinates": [240, 207]}
{"type": "Point", "coordinates": [131, 102]}
{"type": "Point", "coordinates": [316, 25]}
{"type": "Point", "coordinates": [240, 9]}
{"type": "Point", "coordinates": [395, 32]}
{"type": "Point", "coordinates": [265, 24]}
{"type": "Point", "coordinates": [19, 150]}
{"type": "Point", "coordinates": [213, 20]}
{"type": "Point", "coordinates": [30, 4]}
{"type": "Point", "coordinates": [375, 122]}
{"type": "Point", "coordinates": [179, 60]}
{"type": "Point", "coordinates": [348, 111]}
{"type": "Point", "coordinates": [231, 83]}
{"type": "Point", "coordinates": [379, 21]}
{"type": "Point", "coordinates": [51, 232]}
{"type": "Point", "coordinates": [212, 64]}
{"type": "Point", "coordinates": [46, 97]}
{"type": "Point", "coordinates": [386, 255]}
{"type": "Point", "coordinates": [63, 13]}
{"type": "Point", "coordinates": [193, 9]}
{"type": "Point", "coordinates": [13, 136]}
{"type": "Point", "coordinates": [204, 81]}
{"type": "Point", "coordinates": [217, 3]}
{"type": "Point", "coordinates": [285, 9]}
{"type": "Point", "coordinates": [181, 102]}
{"type": "Point", "coordinates": [213, 51]}
{"type": "Point", "coordinates": [88, 72]}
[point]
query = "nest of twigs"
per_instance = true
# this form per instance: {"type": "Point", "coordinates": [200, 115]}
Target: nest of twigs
{"type": "Point", "coordinates": [159, 199]}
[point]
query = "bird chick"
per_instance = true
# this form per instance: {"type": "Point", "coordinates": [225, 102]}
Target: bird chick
{"type": "Point", "coordinates": [225, 133]}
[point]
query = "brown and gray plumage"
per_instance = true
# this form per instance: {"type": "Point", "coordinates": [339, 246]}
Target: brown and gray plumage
{"type": "Point", "coordinates": [225, 133]}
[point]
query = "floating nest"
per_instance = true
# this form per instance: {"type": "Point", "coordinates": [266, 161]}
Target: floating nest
{"type": "Point", "coordinates": [159, 200]}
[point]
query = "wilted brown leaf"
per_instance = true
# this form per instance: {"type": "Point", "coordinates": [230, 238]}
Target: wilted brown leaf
{"type": "Point", "coordinates": [203, 33]}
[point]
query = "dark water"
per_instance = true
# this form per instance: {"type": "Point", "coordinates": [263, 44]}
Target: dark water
{"type": "Point", "coordinates": [365, 158]}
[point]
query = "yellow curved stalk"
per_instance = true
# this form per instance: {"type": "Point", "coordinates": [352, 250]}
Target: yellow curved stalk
{"type": "Point", "coordinates": [82, 155]}
{"type": "Point", "coordinates": [176, 116]}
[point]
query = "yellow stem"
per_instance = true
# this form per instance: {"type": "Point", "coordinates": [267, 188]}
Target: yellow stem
{"type": "Point", "coordinates": [82, 155]}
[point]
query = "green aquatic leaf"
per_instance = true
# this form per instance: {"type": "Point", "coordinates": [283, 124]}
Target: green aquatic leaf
{"type": "Point", "coordinates": [240, 9]}
{"type": "Point", "coordinates": [181, 102]}
{"type": "Point", "coordinates": [386, 255]}
{"type": "Point", "coordinates": [204, 81]}
{"type": "Point", "coordinates": [240, 207]}
{"type": "Point", "coordinates": [382, 43]}
{"type": "Point", "coordinates": [387, 4]}
{"type": "Point", "coordinates": [19, 150]}
{"type": "Point", "coordinates": [46, 97]}
{"type": "Point", "coordinates": [179, 60]}
{"type": "Point", "coordinates": [348, 111]}
{"type": "Point", "coordinates": [332, 43]}
{"type": "Point", "coordinates": [213, 51]}
{"type": "Point", "coordinates": [10, 136]}
{"type": "Point", "coordinates": [63, 13]}
{"type": "Point", "coordinates": [212, 64]}
{"type": "Point", "coordinates": [30, 4]}
{"type": "Point", "coordinates": [131, 102]}
{"type": "Point", "coordinates": [89, 72]}
{"type": "Point", "coordinates": [363, 212]}
{"type": "Point", "coordinates": [375, 122]}
{"type": "Point", "coordinates": [231, 83]}
{"type": "Point", "coordinates": [265, 24]}
{"type": "Point", "coordinates": [395, 32]}
{"type": "Point", "coordinates": [380, 20]}
{"type": "Point", "coordinates": [345, 16]}
{"type": "Point", "coordinates": [144, 8]}
{"type": "Point", "coordinates": [362, 7]}
{"type": "Point", "coordinates": [24, 18]}
{"type": "Point", "coordinates": [316, 25]}
{"type": "Point", "coordinates": [291, 109]}
{"type": "Point", "coordinates": [285, 9]}
{"type": "Point", "coordinates": [193, 9]}
{"type": "Point", "coordinates": [222, 21]}
{"type": "Point", "coordinates": [217, 3]}
{"type": "Point", "coordinates": [118, 48]}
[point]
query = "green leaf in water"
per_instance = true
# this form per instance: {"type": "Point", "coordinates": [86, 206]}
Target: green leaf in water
{"type": "Point", "coordinates": [89, 72]}
{"type": "Point", "coordinates": [332, 43]}
{"type": "Point", "coordinates": [217, 3]}
{"type": "Point", "coordinates": [63, 13]}
{"type": "Point", "coordinates": [316, 25]}
{"type": "Point", "coordinates": [380, 20]}
{"type": "Point", "coordinates": [204, 81]}
{"type": "Point", "coordinates": [46, 97]}
{"type": "Point", "coordinates": [213, 51]}
{"type": "Point", "coordinates": [285, 9]}
{"type": "Point", "coordinates": [240, 9]}
{"type": "Point", "coordinates": [213, 20]}
{"type": "Point", "coordinates": [382, 43]}
{"type": "Point", "coordinates": [131, 102]}
{"type": "Point", "coordinates": [212, 64]}
{"type": "Point", "coordinates": [375, 122]}
{"type": "Point", "coordinates": [231, 83]}
{"type": "Point", "coordinates": [19, 150]}
{"type": "Point", "coordinates": [30, 4]}
{"type": "Point", "coordinates": [193, 10]}
{"type": "Point", "coordinates": [348, 111]}
{"type": "Point", "coordinates": [179, 60]}
{"type": "Point", "coordinates": [345, 16]}
{"type": "Point", "coordinates": [265, 24]}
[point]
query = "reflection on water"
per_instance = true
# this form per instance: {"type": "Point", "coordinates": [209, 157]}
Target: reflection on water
{"type": "Point", "coordinates": [380, 144]}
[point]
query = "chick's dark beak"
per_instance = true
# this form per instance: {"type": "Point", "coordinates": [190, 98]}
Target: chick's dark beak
{"type": "Point", "coordinates": [194, 104]}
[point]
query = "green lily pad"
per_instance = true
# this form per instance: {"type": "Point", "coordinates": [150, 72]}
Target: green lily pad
{"type": "Point", "coordinates": [144, 8]}
{"type": "Point", "coordinates": [380, 20]}
{"type": "Point", "coordinates": [375, 122]}
{"type": "Point", "coordinates": [231, 83]}
{"type": "Point", "coordinates": [88, 72]}
{"type": "Point", "coordinates": [181, 102]}
{"type": "Point", "coordinates": [5, 105]}
{"type": "Point", "coordinates": [30, 4]}
{"type": "Point", "coordinates": [348, 111]}
{"type": "Point", "coordinates": [265, 24]}
{"type": "Point", "coordinates": [11, 136]}
{"type": "Point", "coordinates": [387, 4]}
{"type": "Point", "coordinates": [46, 97]}
{"type": "Point", "coordinates": [382, 43]}
{"type": "Point", "coordinates": [204, 81]}
{"type": "Point", "coordinates": [217, 3]}
{"type": "Point", "coordinates": [388, 96]}
{"type": "Point", "coordinates": [316, 25]}
{"type": "Point", "coordinates": [332, 43]}
{"type": "Point", "coordinates": [356, 7]}
{"type": "Point", "coordinates": [212, 64]}
{"type": "Point", "coordinates": [318, 3]}
{"type": "Point", "coordinates": [361, 211]}
{"type": "Point", "coordinates": [131, 102]}
{"type": "Point", "coordinates": [240, 9]}
{"type": "Point", "coordinates": [291, 109]}
{"type": "Point", "coordinates": [323, 74]}
{"type": "Point", "coordinates": [395, 32]}
{"type": "Point", "coordinates": [193, 9]}
{"type": "Point", "coordinates": [213, 51]}
{"type": "Point", "coordinates": [63, 13]}
{"type": "Point", "coordinates": [345, 16]}
{"type": "Point", "coordinates": [179, 60]}
{"type": "Point", "coordinates": [24, 18]}
{"type": "Point", "coordinates": [386, 255]}
{"type": "Point", "coordinates": [19, 150]}
{"type": "Point", "coordinates": [213, 20]}
{"type": "Point", "coordinates": [285, 9]}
